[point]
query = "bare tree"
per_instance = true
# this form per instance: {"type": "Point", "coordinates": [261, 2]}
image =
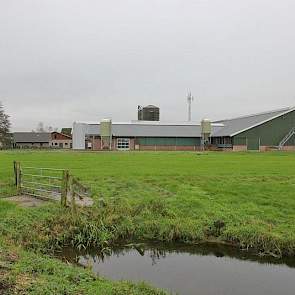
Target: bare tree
{"type": "Point", "coordinates": [4, 128]}
{"type": "Point", "coordinates": [40, 127]}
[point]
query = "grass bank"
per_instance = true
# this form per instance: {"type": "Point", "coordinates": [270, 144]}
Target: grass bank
{"type": "Point", "coordinates": [23, 271]}
{"type": "Point", "coordinates": [242, 198]}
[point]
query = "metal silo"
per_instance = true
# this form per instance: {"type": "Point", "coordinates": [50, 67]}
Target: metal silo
{"type": "Point", "coordinates": [149, 113]}
{"type": "Point", "coordinates": [206, 130]}
{"type": "Point", "coordinates": [106, 134]}
{"type": "Point", "coordinates": [79, 133]}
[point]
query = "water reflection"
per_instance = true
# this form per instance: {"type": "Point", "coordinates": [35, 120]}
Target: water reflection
{"type": "Point", "coordinates": [157, 251]}
{"type": "Point", "coordinates": [204, 269]}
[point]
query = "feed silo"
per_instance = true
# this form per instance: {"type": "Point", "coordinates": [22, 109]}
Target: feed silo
{"type": "Point", "coordinates": [206, 130]}
{"type": "Point", "coordinates": [106, 134]}
{"type": "Point", "coordinates": [148, 113]}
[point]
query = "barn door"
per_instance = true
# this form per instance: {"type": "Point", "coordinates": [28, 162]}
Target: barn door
{"type": "Point", "coordinates": [253, 144]}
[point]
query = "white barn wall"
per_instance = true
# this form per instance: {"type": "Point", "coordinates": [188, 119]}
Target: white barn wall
{"type": "Point", "coordinates": [79, 133]}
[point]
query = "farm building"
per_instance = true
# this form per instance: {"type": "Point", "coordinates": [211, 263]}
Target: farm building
{"type": "Point", "coordinates": [31, 139]}
{"type": "Point", "coordinates": [41, 140]}
{"type": "Point", "coordinates": [60, 140]}
{"type": "Point", "coordinates": [263, 131]}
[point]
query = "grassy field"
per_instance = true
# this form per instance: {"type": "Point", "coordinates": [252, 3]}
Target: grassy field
{"type": "Point", "coordinates": [246, 199]}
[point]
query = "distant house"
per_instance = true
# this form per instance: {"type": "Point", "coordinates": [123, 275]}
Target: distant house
{"type": "Point", "coordinates": [60, 140]}
{"type": "Point", "coordinates": [41, 140]}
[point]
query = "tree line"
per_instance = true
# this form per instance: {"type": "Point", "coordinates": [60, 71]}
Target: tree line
{"type": "Point", "coordinates": [5, 137]}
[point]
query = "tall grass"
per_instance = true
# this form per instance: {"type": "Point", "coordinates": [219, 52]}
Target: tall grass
{"type": "Point", "coordinates": [243, 198]}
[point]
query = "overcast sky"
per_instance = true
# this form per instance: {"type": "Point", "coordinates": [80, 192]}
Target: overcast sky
{"type": "Point", "coordinates": [67, 60]}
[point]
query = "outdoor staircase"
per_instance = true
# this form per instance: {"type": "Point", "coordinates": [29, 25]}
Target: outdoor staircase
{"type": "Point", "coordinates": [286, 138]}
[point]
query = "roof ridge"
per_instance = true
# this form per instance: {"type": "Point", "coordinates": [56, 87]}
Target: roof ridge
{"type": "Point", "coordinates": [256, 114]}
{"type": "Point", "coordinates": [32, 132]}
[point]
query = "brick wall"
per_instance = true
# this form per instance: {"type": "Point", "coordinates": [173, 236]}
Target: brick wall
{"type": "Point", "coordinates": [59, 136]}
{"type": "Point", "coordinates": [132, 144]}
{"type": "Point", "coordinates": [96, 144]}
{"type": "Point", "coordinates": [239, 148]}
{"type": "Point", "coordinates": [66, 144]}
{"type": "Point", "coordinates": [288, 148]}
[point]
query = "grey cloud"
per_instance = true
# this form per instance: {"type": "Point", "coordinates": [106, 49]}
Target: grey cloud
{"type": "Point", "coordinates": [66, 60]}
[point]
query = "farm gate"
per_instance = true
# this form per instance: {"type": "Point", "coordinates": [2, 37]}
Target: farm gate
{"type": "Point", "coordinates": [49, 184]}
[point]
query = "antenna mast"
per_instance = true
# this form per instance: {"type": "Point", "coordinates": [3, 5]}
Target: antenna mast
{"type": "Point", "coordinates": [190, 99]}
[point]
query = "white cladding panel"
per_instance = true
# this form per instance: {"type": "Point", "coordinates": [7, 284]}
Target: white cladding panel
{"type": "Point", "coordinates": [79, 132]}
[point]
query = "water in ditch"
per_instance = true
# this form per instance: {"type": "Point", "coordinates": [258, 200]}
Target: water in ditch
{"type": "Point", "coordinates": [193, 270]}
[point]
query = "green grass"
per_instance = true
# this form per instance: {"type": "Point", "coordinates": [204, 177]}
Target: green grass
{"type": "Point", "coordinates": [23, 271]}
{"type": "Point", "coordinates": [163, 196]}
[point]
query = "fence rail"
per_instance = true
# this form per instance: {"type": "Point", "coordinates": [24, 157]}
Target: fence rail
{"type": "Point", "coordinates": [49, 184]}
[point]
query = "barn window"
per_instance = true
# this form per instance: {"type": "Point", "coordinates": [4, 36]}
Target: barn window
{"type": "Point", "coordinates": [123, 144]}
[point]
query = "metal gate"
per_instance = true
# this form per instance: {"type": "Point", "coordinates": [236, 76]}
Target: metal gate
{"type": "Point", "coordinates": [44, 183]}
{"type": "Point", "coordinates": [50, 184]}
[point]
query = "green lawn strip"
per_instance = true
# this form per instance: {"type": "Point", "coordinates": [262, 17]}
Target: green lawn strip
{"type": "Point", "coordinates": [167, 197]}
{"type": "Point", "coordinates": [246, 199]}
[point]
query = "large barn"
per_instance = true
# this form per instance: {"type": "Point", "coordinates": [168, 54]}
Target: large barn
{"type": "Point", "coordinates": [263, 131]}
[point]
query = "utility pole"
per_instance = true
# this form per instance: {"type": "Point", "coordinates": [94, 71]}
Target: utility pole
{"type": "Point", "coordinates": [190, 99]}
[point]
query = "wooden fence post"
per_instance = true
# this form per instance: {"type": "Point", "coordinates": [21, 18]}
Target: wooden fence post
{"type": "Point", "coordinates": [15, 173]}
{"type": "Point", "coordinates": [17, 176]}
{"type": "Point", "coordinates": [65, 188]}
{"type": "Point", "coordinates": [73, 200]}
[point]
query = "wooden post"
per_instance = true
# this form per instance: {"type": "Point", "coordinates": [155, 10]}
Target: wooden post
{"type": "Point", "coordinates": [17, 176]}
{"type": "Point", "coordinates": [65, 188]}
{"type": "Point", "coordinates": [15, 173]}
{"type": "Point", "coordinates": [73, 201]}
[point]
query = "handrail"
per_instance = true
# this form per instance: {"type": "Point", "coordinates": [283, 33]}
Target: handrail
{"type": "Point", "coordinates": [287, 137]}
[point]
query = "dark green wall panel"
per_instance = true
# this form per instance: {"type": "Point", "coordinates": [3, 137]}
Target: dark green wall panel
{"type": "Point", "coordinates": [239, 140]}
{"type": "Point", "coordinates": [253, 143]}
{"type": "Point", "coordinates": [179, 141]}
{"type": "Point", "coordinates": [271, 132]}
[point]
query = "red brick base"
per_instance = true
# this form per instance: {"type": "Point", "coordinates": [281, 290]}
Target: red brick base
{"type": "Point", "coordinates": [239, 148]}
{"type": "Point", "coordinates": [288, 148]}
